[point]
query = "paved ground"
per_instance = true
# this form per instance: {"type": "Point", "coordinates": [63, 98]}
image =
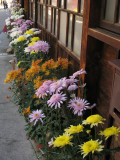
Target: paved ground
{"type": "Point", "coordinates": [13, 145]}
{"type": "Point", "coordinates": [4, 42]}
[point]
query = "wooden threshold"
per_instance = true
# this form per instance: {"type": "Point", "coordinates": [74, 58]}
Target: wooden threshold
{"type": "Point", "coordinates": [105, 36]}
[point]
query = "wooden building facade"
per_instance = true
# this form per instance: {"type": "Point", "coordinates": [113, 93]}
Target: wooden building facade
{"type": "Point", "coordinates": [87, 32]}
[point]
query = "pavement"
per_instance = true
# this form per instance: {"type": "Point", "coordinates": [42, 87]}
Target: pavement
{"type": "Point", "coordinates": [13, 143]}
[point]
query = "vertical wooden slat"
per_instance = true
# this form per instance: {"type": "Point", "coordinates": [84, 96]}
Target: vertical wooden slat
{"type": "Point", "coordinates": [67, 29]}
{"type": "Point", "coordinates": [58, 3]}
{"type": "Point", "coordinates": [42, 14]}
{"type": "Point", "coordinates": [73, 28]}
{"type": "Point", "coordinates": [58, 25]}
{"type": "Point", "coordinates": [65, 4]}
{"type": "Point", "coordinates": [104, 2]}
{"type": "Point", "coordinates": [116, 11]}
{"type": "Point", "coordinates": [84, 37]}
{"type": "Point", "coordinates": [79, 6]}
{"type": "Point", "coordinates": [46, 16]}
{"type": "Point", "coordinates": [52, 18]}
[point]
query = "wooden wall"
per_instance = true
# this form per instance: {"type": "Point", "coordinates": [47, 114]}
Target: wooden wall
{"type": "Point", "coordinates": [99, 46]}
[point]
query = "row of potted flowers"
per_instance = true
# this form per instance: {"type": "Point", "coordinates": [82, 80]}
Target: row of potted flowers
{"type": "Point", "coordinates": [55, 116]}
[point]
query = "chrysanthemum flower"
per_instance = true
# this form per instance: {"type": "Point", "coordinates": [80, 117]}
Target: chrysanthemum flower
{"type": "Point", "coordinates": [74, 129]}
{"type": "Point", "coordinates": [91, 146]}
{"type": "Point", "coordinates": [56, 100]}
{"type": "Point", "coordinates": [88, 131]}
{"type": "Point", "coordinates": [29, 32]}
{"type": "Point", "coordinates": [56, 86]}
{"type": "Point", "coordinates": [36, 115]}
{"type": "Point", "coordinates": [62, 141]}
{"type": "Point", "coordinates": [78, 105]}
{"type": "Point", "coordinates": [21, 38]}
{"type": "Point", "coordinates": [34, 39]}
{"type": "Point", "coordinates": [78, 73]}
{"type": "Point", "coordinates": [32, 43]}
{"type": "Point", "coordinates": [72, 87]}
{"type": "Point", "coordinates": [94, 120]}
{"type": "Point", "coordinates": [42, 91]}
{"type": "Point", "coordinates": [111, 131]}
{"type": "Point", "coordinates": [50, 143]}
{"type": "Point", "coordinates": [27, 111]}
{"type": "Point", "coordinates": [39, 46]}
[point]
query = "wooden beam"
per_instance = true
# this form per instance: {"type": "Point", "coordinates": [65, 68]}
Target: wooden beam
{"type": "Point", "coordinates": [105, 36]}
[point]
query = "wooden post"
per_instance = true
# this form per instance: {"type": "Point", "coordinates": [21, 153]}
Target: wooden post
{"type": "Point", "coordinates": [12, 62]}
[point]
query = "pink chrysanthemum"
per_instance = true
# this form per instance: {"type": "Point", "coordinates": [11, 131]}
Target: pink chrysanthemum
{"type": "Point", "coordinates": [56, 100]}
{"type": "Point", "coordinates": [47, 82]}
{"type": "Point", "coordinates": [73, 87]}
{"type": "Point", "coordinates": [78, 105]}
{"type": "Point", "coordinates": [56, 86]}
{"type": "Point", "coordinates": [42, 91]}
{"type": "Point", "coordinates": [39, 46]}
{"type": "Point", "coordinates": [78, 73]}
{"type": "Point", "coordinates": [67, 82]}
{"type": "Point", "coordinates": [36, 115]}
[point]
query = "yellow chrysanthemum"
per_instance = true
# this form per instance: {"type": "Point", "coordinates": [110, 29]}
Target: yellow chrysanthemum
{"type": "Point", "coordinates": [91, 146]}
{"type": "Point", "coordinates": [21, 39]}
{"type": "Point", "coordinates": [33, 52]}
{"type": "Point", "coordinates": [74, 129]}
{"type": "Point", "coordinates": [29, 32]}
{"type": "Point", "coordinates": [94, 120]}
{"type": "Point", "coordinates": [30, 44]}
{"type": "Point", "coordinates": [27, 111]}
{"type": "Point", "coordinates": [19, 63]}
{"type": "Point", "coordinates": [34, 39]}
{"type": "Point", "coordinates": [88, 131]}
{"type": "Point", "coordinates": [111, 131]}
{"type": "Point", "coordinates": [62, 141]}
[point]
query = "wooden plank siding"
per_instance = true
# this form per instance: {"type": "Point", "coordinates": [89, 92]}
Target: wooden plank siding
{"type": "Point", "coordinates": [98, 47]}
{"type": "Point", "coordinates": [100, 44]}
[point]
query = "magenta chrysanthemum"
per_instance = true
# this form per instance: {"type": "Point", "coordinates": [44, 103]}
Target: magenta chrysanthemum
{"type": "Point", "coordinates": [78, 105]}
{"type": "Point", "coordinates": [23, 27]}
{"type": "Point", "coordinates": [36, 115]}
{"type": "Point", "coordinates": [56, 100]}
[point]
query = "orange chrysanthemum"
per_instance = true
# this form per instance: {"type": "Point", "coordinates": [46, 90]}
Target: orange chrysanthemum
{"type": "Point", "coordinates": [38, 82]}
{"type": "Point", "coordinates": [30, 73]}
{"type": "Point", "coordinates": [27, 111]}
{"type": "Point", "coordinates": [14, 75]}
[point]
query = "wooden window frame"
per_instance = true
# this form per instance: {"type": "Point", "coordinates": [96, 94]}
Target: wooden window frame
{"type": "Point", "coordinates": [114, 27]}
{"type": "Point", "coordinates": [59, 9]}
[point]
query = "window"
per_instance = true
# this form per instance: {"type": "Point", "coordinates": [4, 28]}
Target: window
{"type": "Point", "coordinates": [63, 24]}
{"type": "Point", "coordinates": [54, 2]}
{"type": "Point", "coordinates": [41, 14]}
{"type": "Point", "coordinates": [110, 17]}
{"type": "Point", "coordinates": [32, 10]}
{"type": "Point", "coordinates": [70, 35]}
{"type": "Point", "coordinates": [63, 20]}
{"type": "Point", "coordinates": [77, 35]}
{"type": "Point", "coordinates": [72, 5]}
{"type": "Point", "coordinates": [49, 19]}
